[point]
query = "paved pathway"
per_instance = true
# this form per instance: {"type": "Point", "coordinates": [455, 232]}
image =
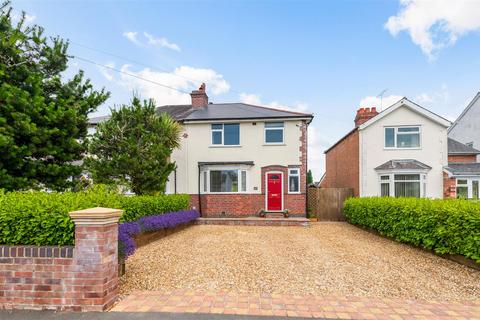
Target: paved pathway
{"type": "Point", "coordinates": [223, 302]}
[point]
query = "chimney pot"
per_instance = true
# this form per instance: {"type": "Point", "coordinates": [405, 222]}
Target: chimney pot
{"type": "Point", "coordinates": [364, 114]}
{"type": "Point", "coordinates": [199, 97]}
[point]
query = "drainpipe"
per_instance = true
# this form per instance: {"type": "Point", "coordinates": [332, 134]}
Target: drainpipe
{"type": "Point", "coordinates": [306, 168]}
{"type": "Point", "coordinates": [199, 197]}
{"type": "Point", "coordinates": [175, 181]}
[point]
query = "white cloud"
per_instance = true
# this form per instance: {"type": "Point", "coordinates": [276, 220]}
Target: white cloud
{"type": "Point", "coordinates": [256, 100]}
{"type": "Point", "coordinates": [439, 97]}
{"type": "Point", "coordinates": [317, 142]}
{"type": "Point", "coordinates": [433, 25]}
{"type": "Point", "coordinates": [105, 72]}
{"type": "Point", "coordinates": [183, 78]}
{"type": "Point", "coordinates": [29, 19]}
{"type": "Point", "coordinates": [132, 37]}
{"type": "Point", "coordinates": [162, 42]}
{"type": "Point", "coordinates": [380, 104]}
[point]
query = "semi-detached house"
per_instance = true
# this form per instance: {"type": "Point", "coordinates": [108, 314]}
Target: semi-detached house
{"type": "Point", "coordinates": [238, 159]}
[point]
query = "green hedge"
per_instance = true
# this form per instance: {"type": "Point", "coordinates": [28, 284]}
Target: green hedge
{"type": "Point", "coordinates": [40, 218]}
{"type": "Point", "coordinates": [445, 226]}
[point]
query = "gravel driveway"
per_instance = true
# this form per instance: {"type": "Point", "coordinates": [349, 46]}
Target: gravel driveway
{"type": "Point", "coordinates": [324, 259]}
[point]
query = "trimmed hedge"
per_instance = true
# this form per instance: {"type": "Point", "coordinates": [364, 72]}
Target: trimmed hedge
{"type": "Point", "coordinates": [40, 218]}
{"type": "Point", "coordinates": [445, 226]}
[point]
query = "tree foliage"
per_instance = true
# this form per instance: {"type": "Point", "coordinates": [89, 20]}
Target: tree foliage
{"type": "Point", "coordinates": [309, 177]}
{"type": "Point", "coordinates": [134, 147]}
{"type": "Point", "coordinates": [43, 120]}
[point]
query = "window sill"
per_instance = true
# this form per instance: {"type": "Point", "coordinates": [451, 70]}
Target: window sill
{"type": "Point", "coordinates": [225, 146]}
{"type": "Point", "coordinates": [274, 144]}
{"type": "Point", "coordinates": [397, 149]}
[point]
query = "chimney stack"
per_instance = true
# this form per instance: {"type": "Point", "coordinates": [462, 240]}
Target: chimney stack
{"type": "Point", "coordinates": [365, 114]}
{"type": "Point", "coordinates": [199, 97]}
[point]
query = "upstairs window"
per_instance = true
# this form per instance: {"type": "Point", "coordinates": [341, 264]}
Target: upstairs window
{"type": "Point", "coordinates": [226, 134]}
{"type": "Point", "coordinates": [274, 132]}
{"type": "Point", "coordinates": [402, 137]}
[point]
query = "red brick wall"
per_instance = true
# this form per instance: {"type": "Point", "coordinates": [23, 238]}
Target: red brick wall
{"type": "Point", "coordinates": [342, 165]}
{"type": "Point", "coordinates": [80, 278]}
{"type": "Point", "coordinates": [462, 158]}
{"type": "Point", "coordinates": [449, 186]}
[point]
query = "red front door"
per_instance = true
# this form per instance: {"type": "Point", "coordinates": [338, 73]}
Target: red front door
{"type": "Point", "coordinates": [274, 192]}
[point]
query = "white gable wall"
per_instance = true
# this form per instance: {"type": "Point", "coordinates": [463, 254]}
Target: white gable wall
{"type": "Point", "coordinates": [467, 128]}
{"type": "Point", "coordinates": [433, 151]}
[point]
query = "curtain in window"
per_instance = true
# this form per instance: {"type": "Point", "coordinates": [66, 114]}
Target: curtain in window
{"type": "Point", "coordinates": [406, 186]}
{"type": "Point", "coordinates": [385, 192]}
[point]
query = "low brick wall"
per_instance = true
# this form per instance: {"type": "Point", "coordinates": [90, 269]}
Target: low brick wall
{"type": "Point", "coordinates": [79, 278]}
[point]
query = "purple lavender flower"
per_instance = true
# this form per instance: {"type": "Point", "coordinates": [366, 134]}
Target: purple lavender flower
{"type": "Point", "coordinates": [128, 230]}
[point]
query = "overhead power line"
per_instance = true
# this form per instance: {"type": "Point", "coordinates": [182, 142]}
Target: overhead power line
{"type": "Point", "coordinates": [129, 74]}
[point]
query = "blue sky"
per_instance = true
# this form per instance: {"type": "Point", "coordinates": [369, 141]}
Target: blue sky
{"type": "Point", "coordinates": [327, 58]}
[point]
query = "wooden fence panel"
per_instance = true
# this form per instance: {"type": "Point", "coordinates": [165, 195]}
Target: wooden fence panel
{"type": "Point", "coordinates": [327, 203]}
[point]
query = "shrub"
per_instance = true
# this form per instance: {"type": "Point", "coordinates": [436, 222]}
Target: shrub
{"type": "Point", "coordinates": [128, 230]}
{"type": "Point", "coordinates": [40, 218]}
{"type": "Point", "coordinates": [445, 226]}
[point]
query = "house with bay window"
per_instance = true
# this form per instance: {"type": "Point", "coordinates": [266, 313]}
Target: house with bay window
{"type": "Point", "coordinates": [399, 152]}
{"type": "Point", "coordinates": [237, 159]}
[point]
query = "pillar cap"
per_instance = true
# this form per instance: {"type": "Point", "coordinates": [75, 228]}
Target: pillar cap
{"type": "Point", "coordinates": [96, 216]}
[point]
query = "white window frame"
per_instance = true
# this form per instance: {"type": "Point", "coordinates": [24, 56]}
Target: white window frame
{"type": "Point", "coordinates": [205, 173]}
{"type": "Point", "coordinates": [391, 181]}
{"type": "Point", "coordinates": [265, 129]}
{"type": "Point", "coordinates": [396, 133]}
{"type": "Point", "coordinates": [297, 175]}
{"type": "Point", "coordinates": [223, 135]}
{"type": "Point", "coordinates": [469, 186]}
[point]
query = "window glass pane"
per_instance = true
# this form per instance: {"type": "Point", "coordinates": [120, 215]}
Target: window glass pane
{"type": "Point", "coordinates": [408, 140]}
{"type": "Point", "coordinates": [475, 194]}
{"type": "Point", "coordinates": [215, 181]}
{"type": "Point", "coordinates": [216, 137]}
{"type": "Point", "coordinates": [217, 126]}
{"type": "Point", "coordinates": [293, 183]}
{"type": "Point", "coordinates": [229, 181]}
{"type": "Point", "coordinates": [273, 124]}
{"type": "Point", "coordinates": [293, 171]}
{"type": "Point", "coordinates": [414, 129]}
{"type": "Point", "coordinates": [389, 137]}
{"type": "Point", "coordinates": [244, 180]}
{"type": "Point", "coordinates": [205, 181]}
{"type": "Point", "coordinates": [274, 135]}
{"type": "Point", "coordinates": [385, 177]}
{"type": "Point", "coordinates": [407, 189]}
{"type": "Point", "coordinates": [462, 181]}
{"type": "Point", "coordinates": [462, 192]}
{"type": "Point", "coordinates": [232, 134]}
{"type": "Point", "coordinates": [407, 177]}
{"type": "Point", "coordinates": [385, 189]}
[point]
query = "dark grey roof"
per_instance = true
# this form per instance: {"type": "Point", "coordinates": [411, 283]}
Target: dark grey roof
{"type": "Point", "coordinates": [464, 168]}
{"type": "Point", "coordinates": [97, 120]}
{"type": "Point", "coordinates": [219, 111]}
{"type": "Point", "coordinates": [455, 147]}
{"type": "Point", "coordinates": [177, 112]}
{"type": "Point", "coordinates": [233, 111]}
{"type": "Point", "coordinates": [249, 163]}
{"type": "Point", "coordinates": [403, 164]}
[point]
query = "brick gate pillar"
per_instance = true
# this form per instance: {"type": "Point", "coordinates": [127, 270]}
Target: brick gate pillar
{"type": "Point", "coordinates": [96, 257]}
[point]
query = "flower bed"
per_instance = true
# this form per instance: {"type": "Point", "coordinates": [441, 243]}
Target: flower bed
{"type": "Point", "coordinates": [129, 230]}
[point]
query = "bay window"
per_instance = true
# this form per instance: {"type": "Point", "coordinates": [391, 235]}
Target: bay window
{"type": "Point", "coordinates": [225, 181]}
{"type": "Point", "coordinates": [226, 134]}
{"type": "Point", "coordinates": [402, 185]}
{"type": "Point", "coordinates": [293, 180]}
{"type": "Point", "coordinates": [402, 137]}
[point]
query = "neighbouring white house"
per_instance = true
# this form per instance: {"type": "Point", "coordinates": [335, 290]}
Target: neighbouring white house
{"type": "Point", "coordinates": [466, 129]}
{"type": "Point", "coordinates": [238, 159]}
{"type": "Point", "coordinates": [402, 151]}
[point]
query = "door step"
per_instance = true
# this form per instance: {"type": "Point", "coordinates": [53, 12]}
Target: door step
{"type": "Point", "coordinates": [274, 215]}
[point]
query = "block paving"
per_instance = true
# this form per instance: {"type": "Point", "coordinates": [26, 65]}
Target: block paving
{"type": "Point", "coordinates": [282, 305]}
